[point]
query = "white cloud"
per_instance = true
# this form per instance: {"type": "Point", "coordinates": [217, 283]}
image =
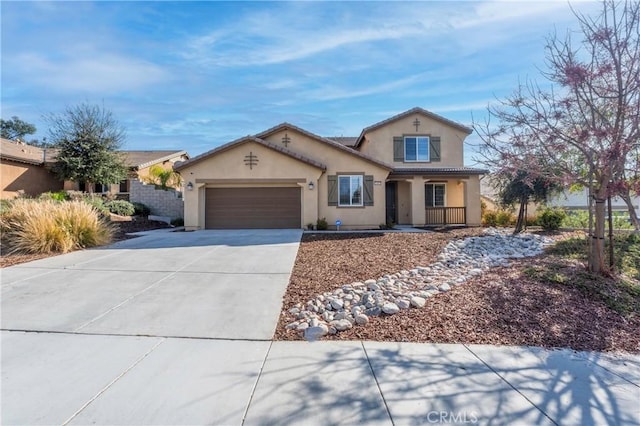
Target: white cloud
{"type": "Point", "coordinates": [335, 93]}
{"type": "Point", "coordinates": [99, 73]}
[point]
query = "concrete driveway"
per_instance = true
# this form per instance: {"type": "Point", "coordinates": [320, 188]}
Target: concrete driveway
{"type": "Point", "coordinates": [175, 328]}
{"type": "Point", "coordinates": [206, 284]}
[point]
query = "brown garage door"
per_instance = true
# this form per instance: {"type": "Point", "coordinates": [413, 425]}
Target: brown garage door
{"type": "Point", "coordinates": [238, 208]}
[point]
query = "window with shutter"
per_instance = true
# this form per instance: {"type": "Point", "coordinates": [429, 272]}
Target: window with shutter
{"type": "Point", "coordinates": [416, 148]}
{"type": "Point", "coordinates": [350, 190]}
{"type": "Point", "coordinates": [434, 194]}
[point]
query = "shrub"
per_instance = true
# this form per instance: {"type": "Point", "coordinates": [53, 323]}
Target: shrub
{"type": "Point", "coordinates": [551, 219]}
{"type": "Point", "coordinates": [97, 203]}
{"type": "Point", "coordinates": [505, 218]}
{"type": "Point", "coordinates": [141, 209]}
{"type": "Point", "coordinates": [490, 218]}
{"type": "Point", "coordinates": [45, 226]}
{"type": "Point", "coordinates": [75, 195]}
{"type": "Point", "coordinates": [178, 222]}
{"type": "Point", "coordinates": [532, 220]}
{"type": "Point", "coordinates": [120, 207]}
{"type": "Point", "coordinates": [55, 196]}
{"type": "Point", "coordinates": [5, 206]}
{"type": "Point", "coordinates": [576, 219]}
{"type": "Point", "coordinates": [321, 224]}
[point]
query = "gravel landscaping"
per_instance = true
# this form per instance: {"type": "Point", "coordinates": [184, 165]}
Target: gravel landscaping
{"type": "Point", "coordinates": [424, 288]}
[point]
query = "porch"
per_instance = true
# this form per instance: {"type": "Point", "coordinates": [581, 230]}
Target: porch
{"type": "Point", "coordinates": [433, 201]}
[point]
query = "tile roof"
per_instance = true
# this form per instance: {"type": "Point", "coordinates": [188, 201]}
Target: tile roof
{"type": "Point", "coordinates": [434, 171]}
{"type": "Point", "coordinates": [327, 141]}
{"type": "Point", "coordinates": [415, 110]}
{"type": "Point", "coordinates": [24, 153]}
{"type": "Point", "coordinates": [237, 142]}
{"type": "Point", "coordinates": [349, 141]}
{"type": "Point", "coordinates": [18, 151]}
{"type": "Point", "coordinates": [141, 159]}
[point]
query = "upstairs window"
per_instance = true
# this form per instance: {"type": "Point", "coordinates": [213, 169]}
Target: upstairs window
{"type": "Point", "coordinates": [350, 190]}
{"type": "Point", "coordinates": [416, 148]}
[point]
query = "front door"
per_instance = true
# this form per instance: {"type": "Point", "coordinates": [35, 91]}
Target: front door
{"type": "Point", "coordinates": [391, 196]}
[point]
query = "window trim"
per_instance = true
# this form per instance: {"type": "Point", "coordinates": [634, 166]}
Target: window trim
{"type": "Point", "coordinates": [351, 176]}
{"type": "Point", "coordinates": [416, 137]}
{"type": "Point", "coordinates": [444, 194]}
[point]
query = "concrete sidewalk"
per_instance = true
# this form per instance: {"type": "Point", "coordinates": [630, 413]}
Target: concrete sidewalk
{"type": "Point", "coordinates": [98, 379]}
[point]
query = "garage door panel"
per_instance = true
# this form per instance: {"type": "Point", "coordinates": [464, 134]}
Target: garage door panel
{"type": "Point", "coordinates": [268, 207]}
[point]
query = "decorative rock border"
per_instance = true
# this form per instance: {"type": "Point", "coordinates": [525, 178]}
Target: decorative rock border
{"type": "Point", "coordinates": [460, 260]}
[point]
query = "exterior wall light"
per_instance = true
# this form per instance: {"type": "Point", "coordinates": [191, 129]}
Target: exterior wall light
{"type": "Point", "coordinates": [311, 186]}
{"type": "Point", "coordinates": [190, 186]}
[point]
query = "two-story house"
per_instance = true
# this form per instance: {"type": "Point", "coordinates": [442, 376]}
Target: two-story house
{"type": "Point", "coordinates": [407, 170]}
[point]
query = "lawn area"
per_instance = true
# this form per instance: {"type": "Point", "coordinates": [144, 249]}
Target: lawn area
{"type": "Point", "coordinates": [550, 300]}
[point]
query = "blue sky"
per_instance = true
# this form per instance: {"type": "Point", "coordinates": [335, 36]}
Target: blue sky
{"type": "Point", "coordinates": [194, 75]}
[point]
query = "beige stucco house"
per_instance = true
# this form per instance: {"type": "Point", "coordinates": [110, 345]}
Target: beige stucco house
{"type": "Point", "coordinates": [25, 169]}
{"type": "Point", "coordinates": [406, 170]}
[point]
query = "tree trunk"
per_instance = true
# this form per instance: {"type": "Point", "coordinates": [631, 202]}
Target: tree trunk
{"type": "Point", "coordinates": [596, 257]}
{"type": "Point", "coordinates": [520, 221]}
{"type": "Point", "coordinates": [626, 197]}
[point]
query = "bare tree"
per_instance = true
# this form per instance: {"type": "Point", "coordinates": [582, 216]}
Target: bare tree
{"type": "Point", "coordinates": [586, 125]}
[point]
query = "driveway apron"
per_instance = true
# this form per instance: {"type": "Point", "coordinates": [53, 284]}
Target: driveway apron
{"type": "Point", "coordinates": [205, 284]}
{"type": "Point", "coordinates": [170, 327]}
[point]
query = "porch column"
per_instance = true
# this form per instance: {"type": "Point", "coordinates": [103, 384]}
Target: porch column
{"type": "Point", "coordinates": [472, 201]}
{"type": "Point", "coordinates": [417, 201]}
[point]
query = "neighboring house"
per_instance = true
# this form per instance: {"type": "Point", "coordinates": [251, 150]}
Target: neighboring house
{"type": "Point", "coordinates": [25, 169]}
{"type": "Point", "coordinates": [139, 163]}
{"type": "Point", "coordinates": [407, 169]}
{"type": "Point", "coordinates": [579, 200]}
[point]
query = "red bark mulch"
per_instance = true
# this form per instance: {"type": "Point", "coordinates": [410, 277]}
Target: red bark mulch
{"type": "Point", "coordinates": [505, 306]}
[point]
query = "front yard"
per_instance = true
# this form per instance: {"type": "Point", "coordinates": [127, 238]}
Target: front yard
{"type": "Point", "coordinates": [549, 300]}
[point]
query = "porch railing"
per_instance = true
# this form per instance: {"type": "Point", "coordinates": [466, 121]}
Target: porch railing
{"type": "Point", "coordinates": [446, 216]}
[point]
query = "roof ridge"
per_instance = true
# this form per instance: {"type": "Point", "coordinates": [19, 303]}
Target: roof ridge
{"type": "Point", "coordinates": [409, 112]}
{"type": "Point", "coordinates": [328, 141]}
{"type": "Point", "coordinates": [245, 139]}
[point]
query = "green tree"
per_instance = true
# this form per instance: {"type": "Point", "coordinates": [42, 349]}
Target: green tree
{"type": "Point", "coordinates": [87, 138]}
{"type": "Point", "coordinates": [523, 187]}
{"type": "Point", "coordinates": [16, 129]}
{"type": "Point", "coordinates": [164, 178]}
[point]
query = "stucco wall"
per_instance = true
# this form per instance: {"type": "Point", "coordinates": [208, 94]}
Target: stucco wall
{"type": "Point", "coordinates": [379, 143]}
{"type": "Point", "coordinates": [161, 203]}
{"type": "Point", "coordinates": [340, 162]}
{"type": "Point", "coordinates": [32, 179]}
{"type": "Point", "coordinates": [228, 169]}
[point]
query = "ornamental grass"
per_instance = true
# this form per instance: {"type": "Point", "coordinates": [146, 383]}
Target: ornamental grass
{"type": "Point", "coordinates": [49, 226]}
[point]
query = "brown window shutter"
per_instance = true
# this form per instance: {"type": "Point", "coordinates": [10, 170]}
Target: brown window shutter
{"type": "Point", "coordinates": [368, 190]}
{"type": "Point", "coordinates": [398, 148]}
{"type": "Point", "coordinates": [333, 190]}
{"type": "Point", "coordinates": [434, 148]}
